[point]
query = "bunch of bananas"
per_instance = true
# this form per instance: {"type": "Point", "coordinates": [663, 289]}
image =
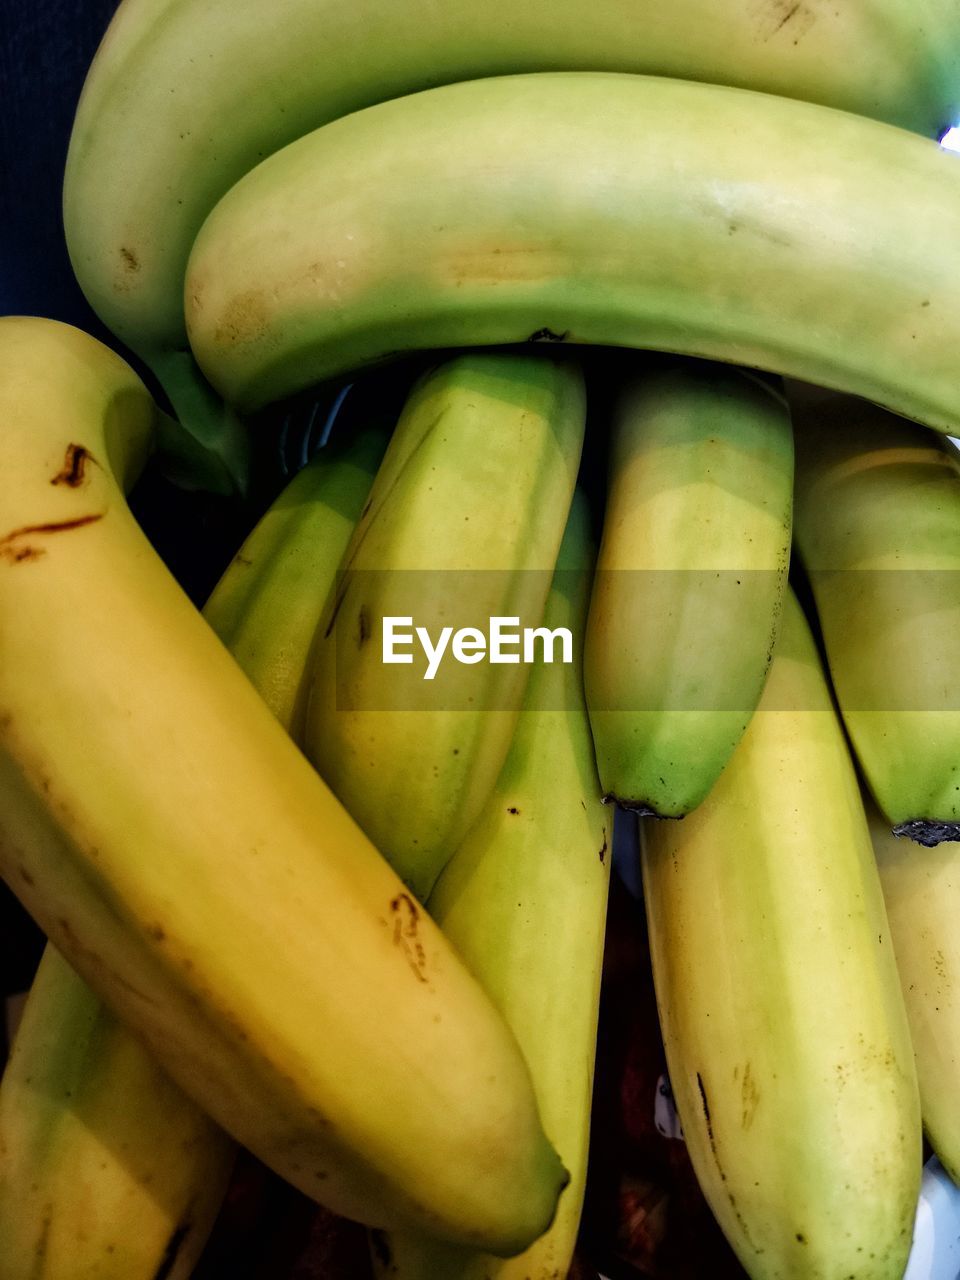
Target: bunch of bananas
{"type": "Point", "coordinates": [306, 892]}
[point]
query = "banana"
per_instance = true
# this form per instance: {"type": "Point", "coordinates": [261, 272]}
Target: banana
{"type": "Point", "coordinates": [783, 1021]}
{"type": "Point", "coordinates": [270, 959]}
{"type": "Point", "coordinates": [523, 900]}
{"type": "Point", "coordinates": [463, 525]}
{"type": "Point", "coordinates": [921, 889]}
{"type": "Point", "coordinates": [590, 208]}
{"type": "Point", "coordinates": [878, 531]}
{"type": "Point", "coordinates": [690, 580]}
{"type": "Point", "coordinates": [185, 96]}
{"type": "Point", "coordinates": [107, 1170]}
{"type": "Point", "coordinates": [267, 605]}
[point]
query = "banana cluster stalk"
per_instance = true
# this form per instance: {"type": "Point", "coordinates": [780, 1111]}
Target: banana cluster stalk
{"type": "Point", "coordinates": [587, 208]}
{"type": "Point", "coordinates": [878, 531]}
{"type": "Point", "coordinates": [107, 1170]}
{"type": "Point", "coordinates": [268, 956]}
{"type": "Point", "coordinates": [784, 1025]}
{"type": "Point", "coordinates": [689, 586]}
{"type": "Point", "coordinates": [921, 888]}
{"type": "Point", "coordinates": [463, 525]}
{"type": "Point", "coordinates": [523, 900]}
{"type": "Point", "coordinates": [186, 96]}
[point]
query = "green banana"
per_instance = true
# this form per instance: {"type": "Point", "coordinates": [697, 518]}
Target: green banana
{"type": "Point", "coordinates": [107, 1170]}
{"type": "Point", "coordinates": [589, 208]}
{"type": "Point", "coordinates": [267, 605]}
{"type": "Point", "coordinates": [921, 889]}
{"type": "Point", "coordinates": [463, 525]}
{"type": "Point", "coordinates": [186, 96]}
{"type": "Point", "coordinates": [523, 900]}
{"type": "Point", "coordinates": [184, 856]}
{"type": "Point", "coordinates": [690, 580]}
{"type": "Point", "coordinates": [786, 1036]}
{"type": "Point", "coordinates": [878, 531]}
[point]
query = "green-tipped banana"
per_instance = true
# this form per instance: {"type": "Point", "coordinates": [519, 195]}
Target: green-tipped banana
{"type": "Point", "coordinates": [921, 888]}
{"type": "Point", "coordinates": [588, 208]}
{"type": "Point", "coordinates": [267, 606]}
{"type": "Point", "coordinates": [107, 1170]}
{"type": "Point", "coordinates": [878, 531]}
{"type": "Point", "coordinates": [783, 1021]}
{"type": "Point", "coordinates": [183, 855]}
{"type": "Point", "coordinates": [463, 526]}
{"type": "Point", "coordinates": [524, 902]}
{"type": "Point", "coordinates": [690, 580]}
{"type": "Point", "coordinates": [186, 96]}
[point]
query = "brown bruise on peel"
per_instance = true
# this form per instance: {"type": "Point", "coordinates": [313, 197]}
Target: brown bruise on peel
{"type": "Point", "coordinates": [73, 473]}
{"type": "Point", "coordinates": [406, 924]}
{"type": "Point", "coordinates": [705, 1106]}
{"type": "Point", "coordinates": [14, 547]}
{"type": "Point", "coordinates": [604, 847]}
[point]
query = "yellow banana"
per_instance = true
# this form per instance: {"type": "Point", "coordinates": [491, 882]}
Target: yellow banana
{"type": "Point", "coordinates": [588, 208]}
{"type": "Point", "coordinates": [107, 1170]}
{"type": "Point", "coordinates": [878, 531]}
{"type": "Point", "coordinates": [921, 888]}
{"type": "Point", "coordinates": [186, 96]}
{"type": "Point", "coordinates": [184, 856]}
{"type": "Point", "coordinates": [463, 525]}
{"type": "Point", "coordinates": [786, 1036]}
{"type": "Point", "coordinates": [524, 902]}
{"type": "Point", "coordinates": [690, 580]}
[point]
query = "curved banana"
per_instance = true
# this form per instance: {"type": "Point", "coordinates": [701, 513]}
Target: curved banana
{"type": "Point", "coordinates": [265, 952]}
{"type": "Point", "coordinates": [587, 208]}
{"type": "Point", "coordinates": [690, 580]}
{"type": "Point", "coordinates": [921, 889]}
{"type": "Point", "coordinates": [107, 1170]}
{"type": "Point", "coordinates": [463, 525]}
{"type": "Point", "coordinates": [185, 96]}
{"type": "Point", "coordinates": [783, 1021]}
{"type": "Point", "coordinates": [878, 531]}
{"type": "Point", "coordinates": [523, 900]}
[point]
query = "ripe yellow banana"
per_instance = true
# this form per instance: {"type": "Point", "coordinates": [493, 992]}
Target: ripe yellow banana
{"type": "Point", "coordinates": [524, 902]}
{"type": "Point", "coordinates": [690, 580]}
{"type": "Point", "coordinates": [783, 1021]}
{"type": "Point", "coordinates": [184, 856]}
{"type": "Point", "coordinates": [463, 525]}
{"type": "Point", "coordinates": [921, 888]}
{"type": "Point", "coordinates": [107, 1170]}
{"type": "Point", "coordinates": [186, 96]}
{"type": "Point", "coordinates": [589, 208]}
{"type": "Point", "coordinates": [878, 531]}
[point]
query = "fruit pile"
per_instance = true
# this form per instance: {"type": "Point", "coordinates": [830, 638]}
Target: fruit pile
{"type": "Point", "coordinates": [671, 300]}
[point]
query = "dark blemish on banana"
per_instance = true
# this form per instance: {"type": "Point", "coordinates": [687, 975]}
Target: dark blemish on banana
{"type": "Point", "coordinates": [406, 923]}
{"type": "Point", "coordinates": [512, 809]}
{"type": "Point", "coordinates": [363, 627]}
{"type": "Point", "coordinates": [74, 469]}
{"type": "Point", "coordinates": [603, 848]}
{"type": "Point", "coordinates": [14, 554]}
{"type": "Point", "coordinates": [791, 13]}
{"type": "Point", "coordinates": [26, 876]}
{"type": "Point", "coordinates": [548, 335]}
{"type": "Point", "coordinates": [130, 260]}
{"type": "Point", "coordinates": [174, 1245]}
{"type": "Point", "coordinates": [157, 932]}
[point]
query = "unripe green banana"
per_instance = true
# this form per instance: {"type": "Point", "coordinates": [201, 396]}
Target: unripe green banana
{"type": "Point", "coordinates": [463, 525]}
{"type": "Point", "coordinates": [267, 605]}
{"type": "Point", "coordinates": [921, 889]}
{"type": "Point", "coordinates": [107, 1170]}
{"type": "Point", "coordinates": [588, 208]}
{"type": "Point", "coordinates": [184, 856]}
{"type": "Point", "coordinates": [690, 580]}
{"type": "Point", "coordinates": [878, 531]}
{"type": "Point", "coordinates": [186, 96]}
{"type": "Point", "coordinates": [524, 902]}
{"type": "Point", "coordinates": [783, 1021]}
